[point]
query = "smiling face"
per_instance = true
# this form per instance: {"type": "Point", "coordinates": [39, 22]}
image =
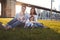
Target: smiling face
{"type": "Point", "coordinates": [23, 8]}
{"type": "Point", "coordinates": [32, 11]}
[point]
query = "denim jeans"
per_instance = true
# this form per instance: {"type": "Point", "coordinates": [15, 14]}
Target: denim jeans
{"type": "Point", "coordinates": [38, 25]}
{"type": "Point", "coordinates": [13, 23]}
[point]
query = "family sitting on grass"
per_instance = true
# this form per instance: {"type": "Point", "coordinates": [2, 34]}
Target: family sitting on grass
{"type": "Point", "coordinates": [29, 20]}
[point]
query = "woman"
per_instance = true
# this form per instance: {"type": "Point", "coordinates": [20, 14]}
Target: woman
{"type": "Point", "coordinates": [33, 13]}
{"type": "Point", "coordinates": [19, 19]}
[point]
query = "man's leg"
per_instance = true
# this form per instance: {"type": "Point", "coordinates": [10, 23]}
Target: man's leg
{"type": "Point", "coordinates": [12, 21]}
{"type": "Point", "coordinates": [15, 24]}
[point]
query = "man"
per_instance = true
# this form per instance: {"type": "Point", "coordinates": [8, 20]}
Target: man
{"type": "Point", "coordinates": [19, 19]}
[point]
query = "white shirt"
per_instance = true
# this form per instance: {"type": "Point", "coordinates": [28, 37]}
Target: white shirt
{"type": "Point", "coordinates": [35, 17]}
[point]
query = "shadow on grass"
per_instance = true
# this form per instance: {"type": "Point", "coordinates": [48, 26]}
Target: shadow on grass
{"type": "Point", "coordinates": [28, 34]}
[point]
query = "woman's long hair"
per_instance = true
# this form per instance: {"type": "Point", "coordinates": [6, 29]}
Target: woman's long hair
{"type": "Point", "coordinates": [34, 13]}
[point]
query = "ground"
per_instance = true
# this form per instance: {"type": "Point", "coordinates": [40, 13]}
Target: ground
{"type": "Point", "coordinates": [52, 32]}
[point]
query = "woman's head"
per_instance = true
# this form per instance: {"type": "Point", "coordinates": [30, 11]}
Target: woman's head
{"type": "Point", "coordinates": [32, 11]}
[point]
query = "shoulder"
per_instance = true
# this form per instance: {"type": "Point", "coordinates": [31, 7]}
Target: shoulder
{"type": "Point", "coordinates": [27, 14]}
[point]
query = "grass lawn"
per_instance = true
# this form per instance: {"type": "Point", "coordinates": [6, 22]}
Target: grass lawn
{"type": "Point", "coordinates": [50, 33]}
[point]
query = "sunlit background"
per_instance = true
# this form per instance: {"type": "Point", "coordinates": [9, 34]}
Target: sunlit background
{"type": "Point", "coordinates": [42, 3]}
{"type": "Point", "coordinates": [18, 9]}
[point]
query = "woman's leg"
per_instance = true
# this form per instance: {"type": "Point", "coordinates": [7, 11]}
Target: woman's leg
{"type": "Point", "coordinates": [35, 25]}
{"type": "Point", "coordinates": [39, 25]}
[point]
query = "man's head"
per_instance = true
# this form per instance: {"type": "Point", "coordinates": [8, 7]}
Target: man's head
{"type": "Point", "coordinates": [23, 8]}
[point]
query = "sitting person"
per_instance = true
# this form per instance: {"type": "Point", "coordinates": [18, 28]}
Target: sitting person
{"type": "Point", "coordinates": [17, 20]}
{"type": "Point", "coordinates": [33, 13]}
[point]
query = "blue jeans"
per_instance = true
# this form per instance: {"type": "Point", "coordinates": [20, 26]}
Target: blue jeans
{"type": "Point", "coordinates": [29, 24]}
{"type": "Point", "coordinates": [13, 23]}
{"type": "Point", "coordinates": [38, 25]}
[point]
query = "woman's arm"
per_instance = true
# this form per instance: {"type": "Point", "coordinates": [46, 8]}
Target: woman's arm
{"type": "Point", "coordinates": [35, 18]}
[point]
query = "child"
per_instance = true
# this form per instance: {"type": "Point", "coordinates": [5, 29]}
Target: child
{"type": "Point", "coordinates": [29, 22]}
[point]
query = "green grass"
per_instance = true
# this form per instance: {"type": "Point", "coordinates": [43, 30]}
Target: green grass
{"type": "Point", "coordinates": [27, 34]}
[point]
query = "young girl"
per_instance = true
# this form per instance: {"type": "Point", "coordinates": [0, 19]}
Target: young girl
{"type": "Point", "coordinates": [29, 22]}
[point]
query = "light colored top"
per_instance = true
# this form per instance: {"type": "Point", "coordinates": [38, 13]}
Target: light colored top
{"type": "Point", "coordinates": [35, 17]}
{"type": "Point", "coordinates": [26, 16]}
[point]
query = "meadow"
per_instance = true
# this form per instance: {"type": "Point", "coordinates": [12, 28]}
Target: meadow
{"type": "Point", "coordinates": [52, 32]}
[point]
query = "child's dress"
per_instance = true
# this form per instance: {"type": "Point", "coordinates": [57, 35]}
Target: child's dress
{"type": "Point", "coordinates": [28, 23]}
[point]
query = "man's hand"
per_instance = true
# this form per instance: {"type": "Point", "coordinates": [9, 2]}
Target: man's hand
{"type": "Point", "coordinates": [18, 19]}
